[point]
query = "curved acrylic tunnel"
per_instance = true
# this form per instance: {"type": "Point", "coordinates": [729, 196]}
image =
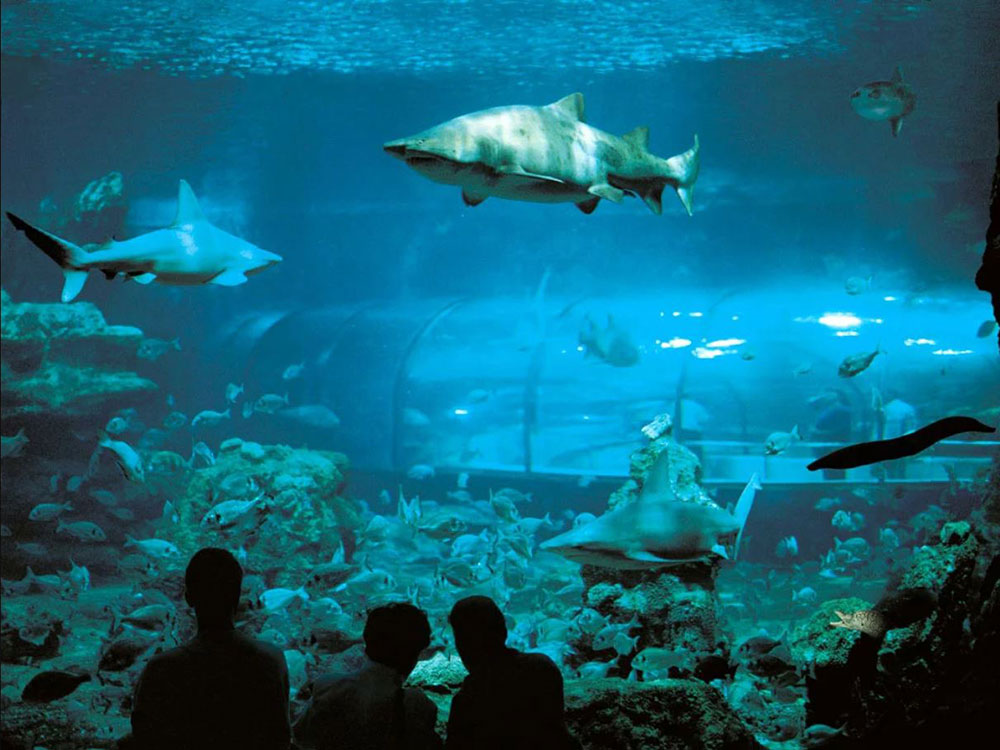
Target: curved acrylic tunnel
{"type": "Point", "coordinates": [507, 384]}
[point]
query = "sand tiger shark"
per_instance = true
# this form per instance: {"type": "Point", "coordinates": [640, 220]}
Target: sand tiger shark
{"type": "Point", "coordinates": [546, 154]}
{"type": "Point", "coordinates": [888, 100]}
{"type": "Point", "coordinates": [656, 529]}
{"type": "Point", "coordinates": [190, 251]}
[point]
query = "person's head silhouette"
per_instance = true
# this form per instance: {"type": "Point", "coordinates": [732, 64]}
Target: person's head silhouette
{"type": "Point", "coordinates": [395, 634]}
{"type": "Point", "coordinates": [480, 630]}
{"type": "Point", "coordinates": [212, 586]}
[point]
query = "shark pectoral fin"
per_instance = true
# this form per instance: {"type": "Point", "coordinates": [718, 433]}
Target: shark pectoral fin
{"type": "Point", "coordinates": [73, 283]}
{"type": "Point", "coordinates": [720, 551]}
{"type": "Point", "coordinates": [896, 123]}
{"type": "Point", "coordinates": [472, 199]}
{"type": "Point", "coordinates": [231, 277]}
{"type": "Point", "coordinates": [515, 171]}
{"type": "Point", "coordinates": [588, 206]}
{"type": "Point", "coordinates": [144, 278]}
{"type": "Point", "coordinates": [607, 192]}
{"type": "Point", "coordinates": [644, 556]}
{"type": "Point", "coordinates": [188, 210]}
{"type": "Point", "coordinates": [654, 199]}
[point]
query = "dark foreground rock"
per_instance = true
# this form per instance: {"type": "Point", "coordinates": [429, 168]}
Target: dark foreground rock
{"type": "Point", "coordinates": [663, 715]}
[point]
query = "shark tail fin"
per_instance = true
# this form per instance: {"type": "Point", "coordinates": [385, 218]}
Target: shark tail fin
{"type": "Point", "coordinates": [682, 173]}
{"type": "Point", "coordinates": [742, 511]}
{"type": "Point", "coordinates": [71, 258]}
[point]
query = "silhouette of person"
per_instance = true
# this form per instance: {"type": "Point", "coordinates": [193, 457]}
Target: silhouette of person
{"type": "Point", "coordinates": [370, 709]}
{"type": "Point", "coordinates": [510, 699]}
{"type": "Point", "coordinates": [220, 690]}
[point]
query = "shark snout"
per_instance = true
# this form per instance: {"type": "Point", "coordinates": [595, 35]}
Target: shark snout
{"type": "Point", "coordinates": [396, 148]}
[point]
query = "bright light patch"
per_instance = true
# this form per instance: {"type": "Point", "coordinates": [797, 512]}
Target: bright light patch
{"type": "Point", "coordinates": [675, 343]}
{"type": "Point", "coordinates": [702, 353]}
{"type": "Point", "coordinates": [586, 418]}
{"type": "Point", "coordinates": [890, 298]}
{"type": "Point", "coordinates": [662, 313]}
{"type": "Point", "coordinates": [951, 352]}
{"type": "Point", "coordinates": [461, 412]}
{"type": "Point", "coordinates": [919, 342]}
{"type": "Point", "coordinates": [676, 313]}
{"type": "Point", "coordinates": [840, 320]}
{"type": "Point", "coordinates": [846, 333]}
{"type": "Point", "coordinates": [735, 317]}
{"type": "Point", "coordinates": [696, 314]}
{"type": "Point", "coordinates": [722, 343]}
{"type": "Point", "coordinates": [579, 348]}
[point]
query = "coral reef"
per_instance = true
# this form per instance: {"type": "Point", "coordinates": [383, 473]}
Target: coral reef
{"type": "Point", "coordinates": [299, 507]}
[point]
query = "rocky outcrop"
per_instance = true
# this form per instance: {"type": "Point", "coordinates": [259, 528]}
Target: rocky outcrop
{"type": "Point", "coordinates": [64, 361]}
{"type": "Point", "coordinates": [662, 715]}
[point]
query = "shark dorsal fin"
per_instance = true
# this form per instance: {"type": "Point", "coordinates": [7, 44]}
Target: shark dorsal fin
{"type": "Point", "coordinates": [657, 487]}
{"type": "Point", "coordinates": [571, 106]}
{"type": "Point", "coordinates": [897, 75]}
{"type": "Point", "coordinates": [638, 137]}
{"type": "Point", "coordinates": [188, 210]}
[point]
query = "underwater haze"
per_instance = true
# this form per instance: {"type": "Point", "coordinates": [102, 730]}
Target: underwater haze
{"type": "Point", "coordinates": [271, 256]}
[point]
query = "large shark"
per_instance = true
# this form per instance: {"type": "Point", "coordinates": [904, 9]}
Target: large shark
{"type": "Point", "coordinates": [546, 154]}
{"type": "Point", "coordinates": [656, 529]}
{"type": "Point", "coordinates": [189, 251]}
{"type": "Point", "coordinates": [888, 100]}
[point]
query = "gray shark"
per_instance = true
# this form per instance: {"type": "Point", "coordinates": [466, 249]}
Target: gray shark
{"type": "Point", "coordinates": [546, 154]}
{"type": "Point", "coordinates": [656, 529]}
{"type": "Point", "coordinates": [190, 251]}
{"type": "Point", "coordinates": [888, 100]}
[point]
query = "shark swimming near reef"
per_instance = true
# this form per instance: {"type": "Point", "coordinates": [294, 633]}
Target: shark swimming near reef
{"type": "Point", "coordinates": [546, 154]}
{"type": "Point", "coordinates": [888, 100]}
{"type": "Point", "coordinates": [656, 529]}
{"type": "Point", "coordinates": [190, 251]}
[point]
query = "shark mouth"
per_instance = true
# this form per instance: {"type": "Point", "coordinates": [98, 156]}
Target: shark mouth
{"type": "Point", "coordinates": [414, 156]}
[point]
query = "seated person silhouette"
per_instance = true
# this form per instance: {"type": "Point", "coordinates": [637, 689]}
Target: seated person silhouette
{"type": "Point", "coordinates": [370, 709]}
{"type": "Point", "coordinates": [510, 699]}
{"type": "Point", "coordinates": [222, 689]}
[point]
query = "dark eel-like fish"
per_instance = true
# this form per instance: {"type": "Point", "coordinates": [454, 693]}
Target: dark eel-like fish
{"type": "Point", "coordinates": [862, 454]}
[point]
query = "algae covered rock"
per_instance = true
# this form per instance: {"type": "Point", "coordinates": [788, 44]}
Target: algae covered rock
{"type": "Point", "coordinates": [684, 472]}
{"type": "Point", "coordinates": [818, 644]}
{"type": "Point", "coordinates": [64, 360]}
{"type": "Point", "coordinates": [662, 715]}
{"type": "Point", "coordinates": [439, 674]}
{"type": "Point", "coordinates": [298, 517]}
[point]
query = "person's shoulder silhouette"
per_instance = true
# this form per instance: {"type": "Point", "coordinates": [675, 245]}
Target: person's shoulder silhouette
{"type": "Point", "coordinates": [510, 699]}
{"type": "Point", "coordinates": [222, 689]}
{"type": "Point", "coordinates": [370, 709]}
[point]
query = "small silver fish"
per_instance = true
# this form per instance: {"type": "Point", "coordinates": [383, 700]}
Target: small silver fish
{"type": "Point", "coordinates": [270, 403]}
{"type": "Point", "coordinates": [293, 371]}
{"type": "Point", "coordinates": [48, 511]}
{"type": "Point", "coordinates": [153, 349]}
{"type": "Point", "coordinates": [85, 531]}
{"type": "Point", "coordinates": [779, 442]}
{"type": "Point", "coordinates": [209, 418]}
{"type": "Point", "coordinates": [233, 392]}
{"type": "Point", "coordinates": [125, 456]}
